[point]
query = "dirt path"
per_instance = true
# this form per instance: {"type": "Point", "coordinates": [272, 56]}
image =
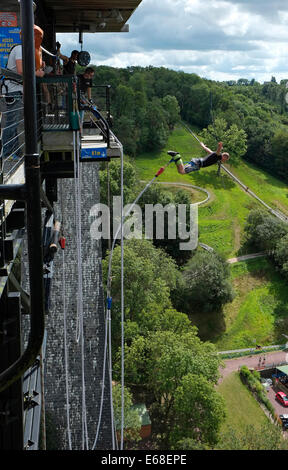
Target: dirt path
{"type": "Point", "coordinates": [244, 257]}
{"type": "Point", "coordinates": [188, 186]}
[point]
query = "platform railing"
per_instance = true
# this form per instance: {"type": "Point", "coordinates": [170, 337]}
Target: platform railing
{"type": "Point", "coordinates": [57, 102]}
{"type": "Point", "coordinates": [12, 133]}
{"type": "Point", "coordinates": [30, 193]}
{"type": "Point", "coordinates": [101, 95]}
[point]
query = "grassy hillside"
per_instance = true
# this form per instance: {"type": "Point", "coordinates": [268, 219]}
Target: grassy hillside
{"type": "Point", "coordinates": [270, 189]}
{"type": "Point", "coordinates": [221, 220]}
{"type": "Point", "coordinates": [260, 308]}
{"type": "Point", "coordinates": [259, 311]}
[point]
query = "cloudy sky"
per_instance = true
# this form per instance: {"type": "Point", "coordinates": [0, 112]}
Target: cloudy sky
{"type": "Point", "coordinates": [216, 39]}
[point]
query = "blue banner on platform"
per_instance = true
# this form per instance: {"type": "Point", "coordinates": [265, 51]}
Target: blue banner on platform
{"type": "Point", "coordinates": [94, 153]}
{"type": "Point", "coordinates": [9, 36]}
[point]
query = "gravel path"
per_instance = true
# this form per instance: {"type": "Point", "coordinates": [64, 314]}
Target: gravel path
{"type": "Point", "coordinates": [186, 185]}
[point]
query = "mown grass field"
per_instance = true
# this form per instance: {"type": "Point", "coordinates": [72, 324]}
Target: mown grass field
{"type": "Point", "coordinates": [242, 408]}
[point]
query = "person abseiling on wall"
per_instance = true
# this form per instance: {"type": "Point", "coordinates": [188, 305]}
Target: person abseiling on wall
{"type": "Point", "coordinates": [196, 163]}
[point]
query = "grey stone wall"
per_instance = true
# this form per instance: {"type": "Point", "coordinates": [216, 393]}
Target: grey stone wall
{"type": "Point", "coordinates": [94, 327]}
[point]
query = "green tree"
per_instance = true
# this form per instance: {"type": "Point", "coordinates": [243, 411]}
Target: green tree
{"type": "Point", "coordinates": [280, 151]}
{"type": "Point", "coordinates": [197, 104]}
{"type": "Point", "coordinates": [206, 282]}
{"type": "Point", "coordinates": [267, 437]}
{"type": "Point", "coordinates": [137, 82]}
{"type": "Point", "coordinates": [129, 182]}
{"type": "Point", "coordinates": [155, 129]}
{"type": "Point", "coordinates": [259, 135]}
{"type": "Point", "coordinates": [123, 103]}
{"type": "Point", "coordinates": [132, 422]}
{"type": "Point", "coordinates": [149, 275]}
{"type": "Point", "coordinates": [203, 420]}
{"type": "Point", "coordinates": [281, 254]}
{"type": "Point", "coordinates": [170, 358]}
{"type": "Point", "coordinates": [243, 81]}
{"type": "Point", "coordinates": [172, 109]}
{"type": "Point", "coordinates": [172, 355]}
{"type": "Point", "coordinates": [155, 194]}
{"type": "Point", "coordinates": [126, 130]}
{"type": "Point", "coordinates": [189, 444]}
{"type": "Point", "coordinates": [168, 320]}
{"type": "Point", "coordinates": [263, 230]}
{"type": "Point", "coordinates": [106, 197]}
{"type": "Point", "coordinates": [234, 139]}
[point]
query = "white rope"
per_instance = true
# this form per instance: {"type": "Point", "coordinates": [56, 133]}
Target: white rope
{"type": "Point", "coordinates": [103, 380]}
{"type": "Point", "coordinates": [111, 382]}
{"type": "Point", "coordinates": [76, 198]}
{"type": "Point", "coordinates": [47, 52]}
{"type": "Point", "coordinates": [80, 323]}
{"type": "Point", "coordinates": [84, 410]}
{"type": "Point", "coordinates": [43, 419]}
{"type": "Point", "coordinates": [66, 350]}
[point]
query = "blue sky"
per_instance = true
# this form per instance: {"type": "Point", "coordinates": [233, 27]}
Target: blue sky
{"type": "Point", "coordinates": [219, 40]}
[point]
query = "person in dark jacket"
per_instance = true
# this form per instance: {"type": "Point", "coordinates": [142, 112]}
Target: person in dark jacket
{"type": "Point", "coordinates": [69, 63]}
{"type": "Point", "coordinates": [86, 82]}
{"type": "Point", "coordinates": [196, 163]}
{"type": "Point", "coordinates": [85, 87]}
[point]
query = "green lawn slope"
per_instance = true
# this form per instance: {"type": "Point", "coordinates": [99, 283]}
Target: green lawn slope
{"type": "Point", "coordinates": [221, 220]}
{"type": "Point", "coordinates": [242, 408]}
{"type": "Point", "coordinates": [259, 311]}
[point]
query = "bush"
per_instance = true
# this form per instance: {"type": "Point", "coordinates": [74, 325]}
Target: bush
{"type": "Point", "coordinates": [252, 380]}
{"type": "Point", "coordinates": [244, 372]}
{"type": "Point", "coordinates": [206, 283]}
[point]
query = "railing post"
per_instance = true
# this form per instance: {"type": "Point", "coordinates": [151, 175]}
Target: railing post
{"type": "Point", "coordinates": [33, 204]}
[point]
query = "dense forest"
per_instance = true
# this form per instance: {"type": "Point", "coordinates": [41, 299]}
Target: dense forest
{"type": "Point", "coordinates": [147, 102]}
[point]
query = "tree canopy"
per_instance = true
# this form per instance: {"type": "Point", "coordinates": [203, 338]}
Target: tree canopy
{"type": "Point", "coordinates": [147, 102]}
{"type": "Point", "coordinates": [205, 282]}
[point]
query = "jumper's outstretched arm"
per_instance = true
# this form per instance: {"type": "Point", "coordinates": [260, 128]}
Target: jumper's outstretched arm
{"type": "Point", "coordinates": [204, 147]}
{"type": "Point", "coordinates": [219, 148]}
{"type": "Point", "coordinates": [218, 151]}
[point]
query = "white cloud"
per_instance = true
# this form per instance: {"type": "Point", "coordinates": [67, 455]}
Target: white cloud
{"type": "Point", "coordinates": [215, 38]}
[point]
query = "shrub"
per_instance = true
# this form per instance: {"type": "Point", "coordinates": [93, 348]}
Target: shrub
{"type": "Point", "coordinates": [252, 380]}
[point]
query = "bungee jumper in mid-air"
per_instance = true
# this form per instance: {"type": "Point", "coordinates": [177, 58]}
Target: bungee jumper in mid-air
{"type": "Point", "coordinates": [196, 163]}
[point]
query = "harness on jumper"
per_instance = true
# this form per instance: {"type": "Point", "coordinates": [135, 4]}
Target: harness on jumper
{"type": "Point", "coordinates": [192, 165]}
